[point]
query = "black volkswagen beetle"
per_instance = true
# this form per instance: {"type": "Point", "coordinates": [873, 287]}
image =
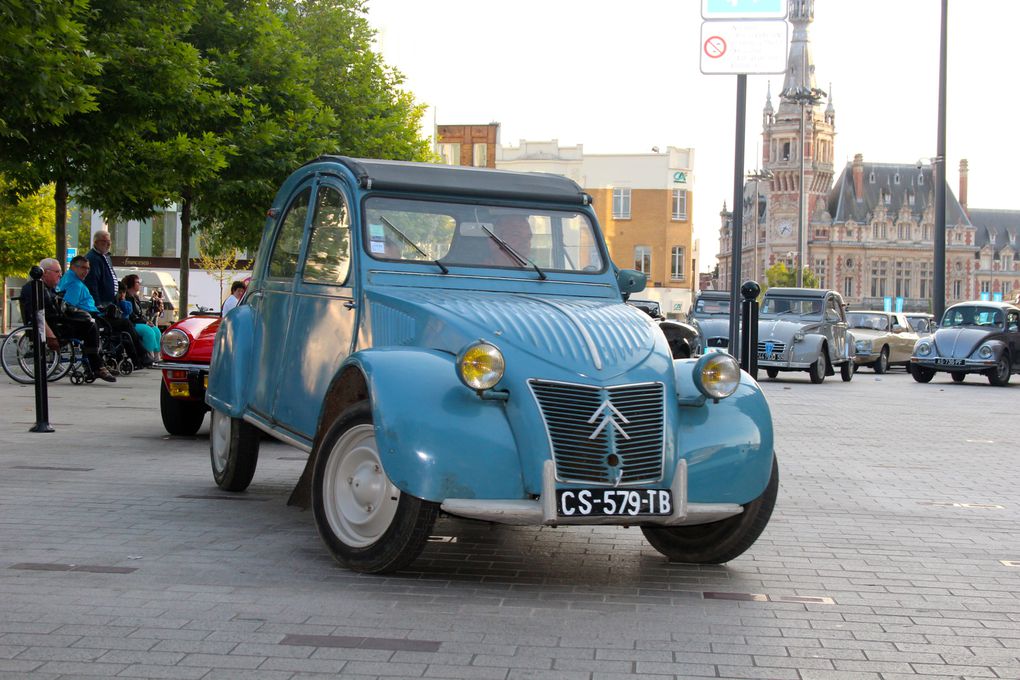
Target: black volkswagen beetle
{"type": "Point", "coordinates": [973, 337]}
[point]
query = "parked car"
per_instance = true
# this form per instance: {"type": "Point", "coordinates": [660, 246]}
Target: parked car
{"type": "Point", "coordinates": [185, 352]}
{"type": "Point", "coordinates": [922, 322]}
{"type": "Point", "coordinates": [455, 339]}
{"type": "Point", "coordinates": [881, 339]}
{"type": "Point", "coordinates": [711, 316]}
{"type": "Point", "coordinates": [973, 337]}
{"type": "Point", "coordinates": [805, 329]}
{"type": "Point", "coordinates": [682, 337]}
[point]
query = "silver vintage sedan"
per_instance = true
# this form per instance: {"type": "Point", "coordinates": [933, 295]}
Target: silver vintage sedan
{"type": "Point", "coordinates": [882, 339]}
{"type": "Point", "coordinates": [805, 329]}
{"type": "Point", "coordinates": [973, 337]}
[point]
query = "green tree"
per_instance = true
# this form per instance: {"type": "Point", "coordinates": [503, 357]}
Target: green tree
{"type": "Point", "coordinates": [26, 235]}
{"type": "Point", "coordinates": [779, 276]}
{"type": "Point", "coordinates": [45, 64]}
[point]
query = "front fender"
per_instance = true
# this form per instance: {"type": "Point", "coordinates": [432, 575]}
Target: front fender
{"type": "Point", "coordinates": [231, 362]}
{"type": "Point", "coordinates": [728, 445]}
{"type": "Point", "coordinates": [808, 349]}
{"type": "Point", "coordinates": [437, 438]}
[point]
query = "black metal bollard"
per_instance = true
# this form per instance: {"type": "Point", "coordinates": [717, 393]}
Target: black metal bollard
{"type": "Point", "coordinates": [37, 310]}
{"type": "Point", "coordinates": [749, 328]}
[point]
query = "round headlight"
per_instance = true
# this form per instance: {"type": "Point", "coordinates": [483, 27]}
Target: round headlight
{"type": "Point", "coordinates": [480, 366]}
{"type": "Point", "coordinates": [175, 343]}
{"type": "Point", "coordinates": [717, 375]}
{"type": "Point", "coordinates": [985, 352]}
{"type": "Point", "coordinates": [923, 349]}
{"type": "Point", "coordinates": [798, 337]}
{"type": "Point", "coordinates": [863, 345]}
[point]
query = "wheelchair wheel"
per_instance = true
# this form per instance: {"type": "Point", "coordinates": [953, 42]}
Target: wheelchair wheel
{"type": "Point", "coordinates": [65, 361]}
{"type": "Point", "coordinates": [126, 366]}
{"type": "Point", "coordinates": [18, 359]}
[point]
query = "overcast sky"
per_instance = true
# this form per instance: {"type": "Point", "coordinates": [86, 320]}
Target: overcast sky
{"type": "Point", "coordinates": [624, 77]}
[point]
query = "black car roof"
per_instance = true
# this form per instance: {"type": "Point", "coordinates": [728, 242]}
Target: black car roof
{"type": "Point", "coordinates": [458, 180]}
{"type": "Point", "coordinates": [797, 292]}
{"type": "Point", "coordinates": [714, 295]}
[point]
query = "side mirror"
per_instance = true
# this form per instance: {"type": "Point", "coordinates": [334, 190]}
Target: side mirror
{"type": "Point", "coordinates": [630, 281]}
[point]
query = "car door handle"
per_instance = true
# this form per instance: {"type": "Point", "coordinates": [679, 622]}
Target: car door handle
{"type": "Point", "coordinates": [350, 304]}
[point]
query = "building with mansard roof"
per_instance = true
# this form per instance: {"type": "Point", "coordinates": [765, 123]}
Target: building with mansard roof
{"type": "Point", "coordinates": [869, 234]}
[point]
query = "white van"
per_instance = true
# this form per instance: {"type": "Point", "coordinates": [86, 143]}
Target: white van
{"type": "Point", "coordinates": [153, 281]}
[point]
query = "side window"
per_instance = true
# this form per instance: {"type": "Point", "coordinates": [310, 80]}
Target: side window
{"type": "Point", "coordinates": [1013, 322]}
{"type": "Point", "coordinates": [832, 310]}
{"type": "Point", "coordinates": [283, 261]}
{"type": "Point", "coordinates": [329, 250]}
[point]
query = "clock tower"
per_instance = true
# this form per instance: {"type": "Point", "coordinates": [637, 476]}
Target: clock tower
{"type": "Point", "coordinates": [783, 151]}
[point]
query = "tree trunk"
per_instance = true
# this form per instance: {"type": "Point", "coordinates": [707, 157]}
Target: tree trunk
{"type": "Point", "coordinates": [182, 302]}
{"type": "Point", "coordinates": [61, 222]}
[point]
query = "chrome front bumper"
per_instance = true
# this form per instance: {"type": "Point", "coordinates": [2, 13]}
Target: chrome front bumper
{"type": "Point", "coordinates": [542, 511]}
{"type": "Point", "coordinates": [968, 366]}
{"type": "Point", "coordinates": [798, 365]}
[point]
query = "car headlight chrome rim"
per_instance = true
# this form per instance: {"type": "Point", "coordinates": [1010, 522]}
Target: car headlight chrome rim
{"type": "Point", "coordinates": [175, 343]}
{"type": "Point", "coordinates": [480, 365]}
{"type": "Point", "coordinates": [924, 349]}
{"type": "Point", "coordinates": [717, 375]}
{"type": "Point", "coordinates": [985, 352]}
{"type": "Point", "coordinates": [863, 345]}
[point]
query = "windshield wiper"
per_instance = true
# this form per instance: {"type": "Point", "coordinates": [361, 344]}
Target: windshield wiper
{"type": "Point", "coordinates": [521, 260]}
{"type": "Point", "coordinates": [414, 245]}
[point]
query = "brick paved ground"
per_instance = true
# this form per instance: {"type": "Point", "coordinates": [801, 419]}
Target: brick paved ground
{"type": "Point", "coordinates": [899, 503]}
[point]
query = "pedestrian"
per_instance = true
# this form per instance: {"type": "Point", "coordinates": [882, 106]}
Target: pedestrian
{"type": "Point", "coordinates": [102, 279]}
{"type": "Point", "coordinates": [131, 307]}
{"type": "Point", "coordinates": [79, 326]}
{"type": "Point", "coordinates": [237, 289]}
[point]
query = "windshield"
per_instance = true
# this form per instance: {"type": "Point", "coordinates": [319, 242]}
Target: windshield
{"type": "Point", "coordinates": [971, 315]}
{"type": "Point", "coordinates": [706, 307]}
{"type": "Point", "coordinates": [481, 236]}
{"type": "Point", "coordinates": [876, 322]}
{"type": "Point", "coordinates": [789, 306]}
{"type": "Point", "coordinates": [918, 323]}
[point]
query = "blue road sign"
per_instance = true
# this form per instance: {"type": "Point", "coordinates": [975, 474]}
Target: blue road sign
{"type": "Point", "coordinates": [887, 304]}
{"type": "Point", "coordinates": [743, 9]}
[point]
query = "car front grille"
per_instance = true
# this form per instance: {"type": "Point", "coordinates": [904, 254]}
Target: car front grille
{"type": "Point", "coordinates": [600, 435]}
{"type": "Point", "coordinates": [777, 347]}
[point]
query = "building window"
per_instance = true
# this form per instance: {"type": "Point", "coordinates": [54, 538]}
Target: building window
{"type": "Point", "coordinates": [985, 287]}
{"type": "Point", "coordinates": [910, 198]}
{"type": "Point", "coordinates": [903, 231]}
{"type": "Point", "coordinates": [621, 204]}
{"type": "Point", "coordinates": [920, 179]}
{"type": "Point", "coordinates": [879, 232]}
{"type": "Point", "coordinates": [786, 151]}
{"type": "Point", "coordinates": [848, 286]}
{"type": "Point", "coordinates": [871, 178]}
{"type": "Point", "coordinates": [879, 272]}
{"type": "Point", "coordinates": [643, 259]}
{"type": "Point", "coordinates": [677, 264]}
{"type": "Point", "coordinates": [926, 232]}
{"type": "Point", "coordinates": [925, 278]}
{"type": "Point", "coordinates": [679, 204]}
{"type": "Point", "coordinates": [820, 268]}
{"type": "Point", "coordinates": [480, 155]}
{"type": "Point", "coordinates": [450, 153]}
{"type": "Point", "coordinates": [896, 178]}
{"type": "Point", "coordinates": [957, 289]}
{"type": "Point", "coordinates": [904, 271]}
{"type": "Point", "coordinates": [1007, 261]}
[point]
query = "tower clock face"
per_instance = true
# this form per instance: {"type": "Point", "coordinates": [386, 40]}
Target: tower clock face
{"type": "Point", "coordinates": [784, 227]}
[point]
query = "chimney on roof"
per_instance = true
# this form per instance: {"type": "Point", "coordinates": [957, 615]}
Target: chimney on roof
{"type": "Point", "coordinates": [858, 169]}
{"type": "Point", "coordinates": [963, 184]}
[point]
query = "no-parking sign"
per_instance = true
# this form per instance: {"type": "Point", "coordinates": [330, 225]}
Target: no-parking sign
{"type": "Point", "coordinates": [751, 47]}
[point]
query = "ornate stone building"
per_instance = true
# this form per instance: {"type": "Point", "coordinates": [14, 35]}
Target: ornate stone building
{"type": "Point", "coordinates": [869, 235]}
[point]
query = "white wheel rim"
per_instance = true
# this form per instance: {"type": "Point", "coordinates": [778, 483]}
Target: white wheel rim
{"type": "Point", "coordinates": [219, 437]}
{"type": "Point", "coordinates": [358, 498]}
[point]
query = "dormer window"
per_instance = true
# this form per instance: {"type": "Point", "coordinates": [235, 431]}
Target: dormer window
{"type": "Point", "coordinates": [920, 179]}
{"type": "Point", "coordinates": [886, 196]}
{"type": "Point", "coordinates": [896, 178]}
{"type": "Point", "coordinates": [910, 198]}
{"type": "Point", "coordinates": [871, 178]}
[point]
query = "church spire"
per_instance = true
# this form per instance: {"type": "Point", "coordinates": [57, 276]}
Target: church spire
{"type": "Point", "coordinates": [800, 70]}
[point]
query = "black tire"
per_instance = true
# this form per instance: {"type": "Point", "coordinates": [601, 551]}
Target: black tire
{"type": "Point", "coordinates": [721, 541]}
{"type": "Point", "coordinates": [999, 376]}
{"type": "Point", "coordinates": [922, 374]}
{"type": "Point", "coordinates": [180, 417]}
{"type": "Point", "coordinates": [772, 372]}
{"type": "Point", "coordinates": [233, 451]}
{"type": "Point", "coordinates": [958, 376]}
{"type": "Point", "coordinates": [367, 524]}
{"type": "Point", "coordinates": [817, 369]}
{"type": "Point", "coordinates": [881, 364]}
{"type": "Point", "coordinates": [846, 370]}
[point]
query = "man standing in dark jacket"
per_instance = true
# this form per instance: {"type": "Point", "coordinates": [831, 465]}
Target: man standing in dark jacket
{"type": "Point", "coordinates": [101, 281]}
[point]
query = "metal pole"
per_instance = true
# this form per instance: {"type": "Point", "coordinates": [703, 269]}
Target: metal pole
{"type": "Point", "coordinates": [37, 311]}
{"type": "Point", "coordinates": [756, 182]}
{"type": "Point", "coordinates": [738, 217]}
{"type": "Point", "coordinates": [800, 211]}
{"type": "Point", "coordinates": [938, 171]}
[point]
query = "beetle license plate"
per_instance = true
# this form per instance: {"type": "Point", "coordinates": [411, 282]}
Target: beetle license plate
{"type": "Point", "coordinates": [613, 502]}
{"type": "Point", "coordinates": [949, 362]}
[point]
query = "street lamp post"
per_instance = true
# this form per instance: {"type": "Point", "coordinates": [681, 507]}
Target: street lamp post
{"type": "Point", "coordinates": [803, 96]}
{"type": "Point", "coordinates": [758, 176]}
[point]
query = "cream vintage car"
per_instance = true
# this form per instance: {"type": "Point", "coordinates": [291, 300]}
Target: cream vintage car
{"type": "Point", "coordinates": [882, 339]}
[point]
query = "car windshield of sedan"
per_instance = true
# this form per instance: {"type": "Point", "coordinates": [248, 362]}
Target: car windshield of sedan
{"type": "Point", "coordinates": [876, 322]}
{"type": "Point", "coordinates": [705, 307]}
{"type": "Point", "coordinates": [918, 323]}
{"type": "Point", "coordinates": [982, 317]}
{"type": "Point", "coordinates": [398, 229]}
{"type": "Point", "coordinates": [786, 306]}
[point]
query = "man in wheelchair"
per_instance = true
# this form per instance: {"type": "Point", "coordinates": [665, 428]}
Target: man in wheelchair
{"type": "Point", "coordinates": [63, 327]}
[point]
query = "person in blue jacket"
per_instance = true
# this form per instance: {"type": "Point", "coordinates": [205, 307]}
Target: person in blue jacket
{"type": "Point", "coordinates": [102, 279]}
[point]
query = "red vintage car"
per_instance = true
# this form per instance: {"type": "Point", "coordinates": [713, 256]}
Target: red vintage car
{"type": "Point", "coordinates": [185, 352]}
